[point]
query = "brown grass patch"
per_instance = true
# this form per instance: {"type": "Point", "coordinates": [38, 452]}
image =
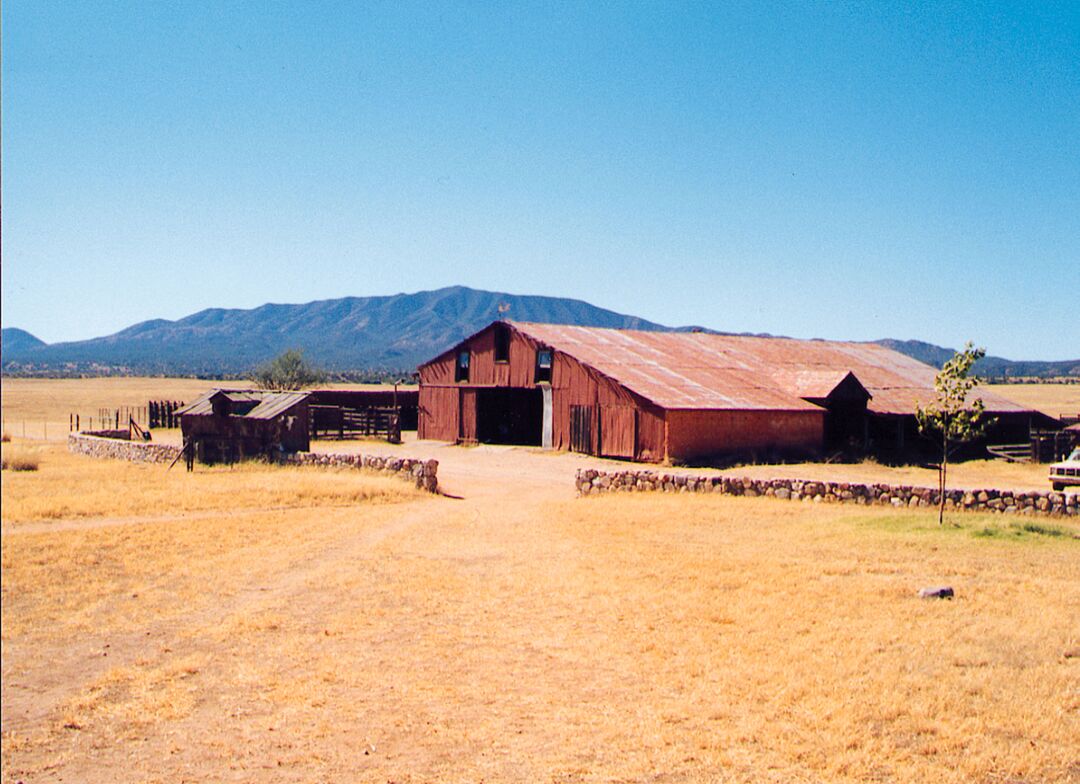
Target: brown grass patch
{"type": "Point", "coordinates": [20, 459]}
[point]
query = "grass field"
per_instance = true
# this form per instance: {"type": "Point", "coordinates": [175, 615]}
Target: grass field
{"type": "Point", "coordinates": [1053, 399]}
{"type": "Point", "coordinates": [271, 624]}
{"type": "Point", "coordinates": [525, 637]}
{"type": "Point", "coordinates": [39, 407]}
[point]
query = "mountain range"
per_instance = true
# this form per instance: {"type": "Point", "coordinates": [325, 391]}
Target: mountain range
{"type": "Point", "coordinates": [372, 336]}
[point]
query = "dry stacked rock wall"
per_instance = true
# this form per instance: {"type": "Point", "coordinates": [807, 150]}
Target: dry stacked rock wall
{"type": "Point", "coordinates": [422, 473]}
{"type": "Point", "coordinates": [121, 449]}
{"type": "Point", "coordinates": [590, 482]}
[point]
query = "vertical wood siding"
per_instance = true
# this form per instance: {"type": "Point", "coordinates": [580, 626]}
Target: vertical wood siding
{"type": "Point", "coordinates": [693, 434]}
{"type": "Point", "coordinates": [467, 431]}
{"type": "Point", "coordinates": [438, 414]}
{"type": "Point", "coordinates": [651, 446]}
{"type": "Point", "coordinates": [618, 431]}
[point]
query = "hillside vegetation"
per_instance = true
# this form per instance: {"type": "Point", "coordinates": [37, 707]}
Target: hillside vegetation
{"type": "Point", "coordinates": [370, 337]}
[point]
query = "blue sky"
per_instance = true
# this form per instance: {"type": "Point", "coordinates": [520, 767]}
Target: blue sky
{"type": "Point", "coordinates": [836, 170]}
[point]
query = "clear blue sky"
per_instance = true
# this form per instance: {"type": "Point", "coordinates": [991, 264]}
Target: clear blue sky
{"type": "Point", "coordinates": [837, 170]}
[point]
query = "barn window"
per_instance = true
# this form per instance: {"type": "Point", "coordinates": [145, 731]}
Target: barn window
{"type": "Point", "coordinates": [461, 372]}
{"type": "Point", "coordinates": [502, 343]}
{"type": "Point", "coordinates": [543, 365]}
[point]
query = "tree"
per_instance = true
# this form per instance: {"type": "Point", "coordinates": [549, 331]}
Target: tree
{"type": "Point", "coordinates": [951, 416]}
{"type": "Point", "coordinates": [289, 370]}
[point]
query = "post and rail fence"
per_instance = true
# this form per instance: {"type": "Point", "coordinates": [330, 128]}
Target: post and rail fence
{"type": "Point", "coordinates": [154, 415]}
{"type": "Point", "coordinates": [339, 423]}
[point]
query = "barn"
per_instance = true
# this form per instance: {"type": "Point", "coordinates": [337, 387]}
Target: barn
{"type": "Point", "coordinates": [656, 396]}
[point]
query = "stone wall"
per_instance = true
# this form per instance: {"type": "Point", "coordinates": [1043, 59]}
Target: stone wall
{"type": "Point", "coordinates": [422, 473]}
{"type": "Point", "coordinates": [123, 434]}
{"type": "Point", "coordinates": [121, 449]}
{"type": "Point", "coordinates": [590, 482]}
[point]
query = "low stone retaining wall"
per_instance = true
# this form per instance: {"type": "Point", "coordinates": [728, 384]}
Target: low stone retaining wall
{"type": "Point", "coordinates": [121, 449]}
{"type": "Point", "coordinates": [590, 482]}
{"type": "Point", "coordinates": [123, 435]}
{"type": "Point", "coordinates": [423, 473]}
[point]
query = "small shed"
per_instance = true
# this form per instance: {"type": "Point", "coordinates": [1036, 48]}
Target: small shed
{"type": "Point", "coordinates": [226, 425]}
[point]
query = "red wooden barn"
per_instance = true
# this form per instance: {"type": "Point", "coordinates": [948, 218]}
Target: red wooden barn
{"type": "Point", "coordinates": [653, 396]}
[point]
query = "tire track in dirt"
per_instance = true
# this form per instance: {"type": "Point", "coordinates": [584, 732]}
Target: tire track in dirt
{"type": "Point", "coordinates": [62, 674]}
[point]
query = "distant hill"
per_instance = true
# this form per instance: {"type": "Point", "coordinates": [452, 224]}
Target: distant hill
{"type": "Point", "coordinates": [393, 333]}
{"type": "Point", "coordinates": [381, 336]}
{"type": "Point", "coordinates": [990, 367]}
{"type": "Point", "coordinates": [17, 341]}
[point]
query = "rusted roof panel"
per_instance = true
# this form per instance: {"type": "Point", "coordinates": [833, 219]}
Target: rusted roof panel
{"type": "Point", "coordinates": [673, 370]}
{"type": "Point", "coordinates": [200, 405]}
{"type": "Point", "coordinates": [267, 404]}
{"type": "Point", "coordinates": [697, 370]}
{"type": "Point", "coordinates": [275, 404]}
{"type": "Point", "coordinates": [809, 383]}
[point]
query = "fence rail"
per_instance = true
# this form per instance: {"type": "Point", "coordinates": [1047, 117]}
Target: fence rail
{"type": "Point", "coordinates": [155, 414]}
{"type": "Point", "coordinates": [338, 422]}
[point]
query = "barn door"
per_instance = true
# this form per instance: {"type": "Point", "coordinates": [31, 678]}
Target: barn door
{"type": "Point", "coordinates": [618, 431]}
{"type": "Point", "coordinates": [581, 427]}
{"type": "Point", "coordinates": [467, 434]}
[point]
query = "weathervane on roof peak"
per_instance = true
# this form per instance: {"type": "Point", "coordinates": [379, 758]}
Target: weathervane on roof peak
{"type": "Point", "coordinates": [504, 308]}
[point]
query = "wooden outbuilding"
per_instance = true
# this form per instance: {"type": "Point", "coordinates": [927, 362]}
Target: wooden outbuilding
{"type": "Point", "coordinates": [656, 396]}
{"type": "Point", "coordinates": [226, 425]}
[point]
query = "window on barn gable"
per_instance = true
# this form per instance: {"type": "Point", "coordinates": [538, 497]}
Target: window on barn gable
{"type": "Point", "coordinates": [502, 343]}
{"type": "Point", "coordinates": [543, 365]}
{"type": "Point", "coordinates": [461, 371]}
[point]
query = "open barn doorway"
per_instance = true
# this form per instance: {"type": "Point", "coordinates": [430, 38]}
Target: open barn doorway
{"type": "Point", "coordinates": [507, 415]}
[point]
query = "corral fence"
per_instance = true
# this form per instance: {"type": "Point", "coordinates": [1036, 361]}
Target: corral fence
{"type": "Point", "coordinates": [162, 413]}
{"type": "Point", "coordinates": [1043, 446]}
{"type": "Point", "coordinates": [155, 414]}
{"type": "Point", "coordinates": [339, 423]}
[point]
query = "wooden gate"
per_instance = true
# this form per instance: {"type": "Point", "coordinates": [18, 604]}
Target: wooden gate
{"type": "Point", "coordinates": [581, 429]}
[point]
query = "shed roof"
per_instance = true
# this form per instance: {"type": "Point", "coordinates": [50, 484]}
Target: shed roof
{"type": "Point", "coordinates": [699, 370]}
{"type": "Point", "coordinates": [267, 404]}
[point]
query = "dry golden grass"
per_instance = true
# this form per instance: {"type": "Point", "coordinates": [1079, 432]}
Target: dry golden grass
{"type": "Point", "coordinates": [268, 624]}
{"type": "Point", "coordinates": [1053, 399]}
{"type": "Point", "coordinates": [519, 637]}
{"type": "Point", "coordinates": [41, 405]}
{"type": "Point", "coordinates": [71, 486]}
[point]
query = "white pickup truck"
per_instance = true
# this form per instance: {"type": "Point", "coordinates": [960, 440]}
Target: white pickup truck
{"type": "Point", "coordinates": [1067, 472]}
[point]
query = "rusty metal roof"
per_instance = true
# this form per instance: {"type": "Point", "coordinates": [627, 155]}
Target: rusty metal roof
{"type": "Point", "coordinates": [265, 404]}
{"type": "Point", "coordinates": [698, 370]}
{"type": "Point", "coordinates": [276, 404]}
